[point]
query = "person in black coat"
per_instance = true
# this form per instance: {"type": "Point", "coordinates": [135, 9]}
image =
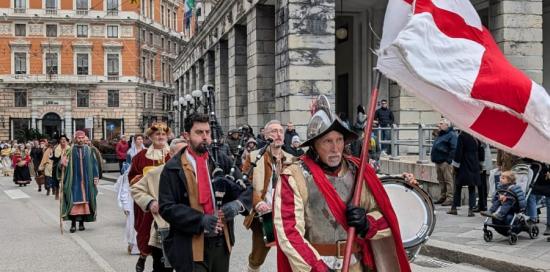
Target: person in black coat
{"type": "Point", "coordinates": [467, 171]}
{"type": "Point", "coordinates": [201, 232]}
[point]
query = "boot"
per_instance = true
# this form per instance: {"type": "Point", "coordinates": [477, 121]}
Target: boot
{"type": "Point", "coordinates": [439, 201]}
{"type": "Point", "coordinates": [73, 226]}
{"type": "Point", "coordinates": [56, 190]}
{"type": "Point", "coordinates": [40, 188]}
{"type": "Point", "coordinates": [452, 211]}
{"type": "Point", "coordinates": [140, 265]}
{"type": "Point", "coordinates": [470, 213]}
{"type": "Point", "coordinates": [81, 226]}
{"type": "Point", "coordinates": [447, 202]}
{"type": "Point", "coordinates": [48, 191]}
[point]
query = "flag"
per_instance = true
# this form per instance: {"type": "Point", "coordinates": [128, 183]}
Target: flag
{"type": "Point", "coordinates": [445, 56]}
{"type": "Point", "coordinates": [188, 14]}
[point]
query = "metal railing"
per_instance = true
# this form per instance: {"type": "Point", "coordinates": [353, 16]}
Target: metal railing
{"type": "Point", "coordinates": [423, 141]}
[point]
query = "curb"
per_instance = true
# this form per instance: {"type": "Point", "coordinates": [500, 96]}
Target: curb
{"type": "Point", "coordinates": [490, 260]}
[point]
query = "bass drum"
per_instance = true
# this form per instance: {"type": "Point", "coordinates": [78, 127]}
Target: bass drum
{"type": "Point", "coordinates": [415, 213]}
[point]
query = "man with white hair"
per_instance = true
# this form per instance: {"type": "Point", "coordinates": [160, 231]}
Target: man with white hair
{"type": "Point", "coordinates": [264, 178]}
{"type": "Point", "coordinates": [442, 154]}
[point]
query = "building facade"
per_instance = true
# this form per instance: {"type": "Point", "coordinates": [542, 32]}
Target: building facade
{"type": "Point", "coordinates": [269, 58]}
{"type": "Point", "coordinates": [103, 66]}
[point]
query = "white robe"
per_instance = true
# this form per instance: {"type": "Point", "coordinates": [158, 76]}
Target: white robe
{"type": "Point", "coordinates": [126, 203]}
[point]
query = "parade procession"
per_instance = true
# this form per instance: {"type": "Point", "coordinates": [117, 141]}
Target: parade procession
{"type": "Point", "coordinates": [275, 135]}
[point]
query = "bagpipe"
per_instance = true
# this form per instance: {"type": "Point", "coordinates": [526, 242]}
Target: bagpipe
{"type": "Point", "coordinates": [230, 184]}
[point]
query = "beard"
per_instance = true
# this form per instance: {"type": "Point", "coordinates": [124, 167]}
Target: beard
{"type": "Point", "coordinates": [200, 148]}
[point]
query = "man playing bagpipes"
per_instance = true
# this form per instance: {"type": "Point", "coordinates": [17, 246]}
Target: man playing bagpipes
{"type": "Point", "coordinates": [312, 208]}
{"type": "Point", "coordinates": [199, 202]}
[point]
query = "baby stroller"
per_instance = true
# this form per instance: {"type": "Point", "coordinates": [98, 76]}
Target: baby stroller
{"type": "Point", "coordinates": [513, 224]}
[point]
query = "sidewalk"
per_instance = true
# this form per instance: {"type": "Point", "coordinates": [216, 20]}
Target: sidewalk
{"type": "Point", "coordinates": [459, 238]}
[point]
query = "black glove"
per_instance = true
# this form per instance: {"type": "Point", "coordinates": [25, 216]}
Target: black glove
{"type": "Point", "coordinates": [208, 223]}
{"type": "Point", "coordinates": [231, 209]}
{"type": "Point", "coordinates": [357, 218]}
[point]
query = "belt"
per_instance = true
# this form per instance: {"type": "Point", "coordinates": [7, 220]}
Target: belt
{"type": "Point", "coordinates": [337, 249]}
{"type": "Point", "coordinates": [214, 241]}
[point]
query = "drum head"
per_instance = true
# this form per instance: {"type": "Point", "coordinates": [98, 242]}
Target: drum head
{"type": "Point", "coordinates": [414, 211]}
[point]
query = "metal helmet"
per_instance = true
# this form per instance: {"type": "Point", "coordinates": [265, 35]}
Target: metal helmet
{"type": "Point", "coordinates": [323, 122]}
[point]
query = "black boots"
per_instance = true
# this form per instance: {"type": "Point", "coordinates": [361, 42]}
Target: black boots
{"type": "Point", "coordinates": [81, 226]}
{"type": "Point", "coordinates": [140, 265]}
{"type": "Point", "coordinates": [73, 226]}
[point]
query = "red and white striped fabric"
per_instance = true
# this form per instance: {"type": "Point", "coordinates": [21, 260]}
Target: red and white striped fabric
{"type": "Point", "coordinates": [444, 55]}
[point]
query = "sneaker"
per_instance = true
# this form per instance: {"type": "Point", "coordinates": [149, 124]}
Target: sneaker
{"type": "Point", "coordinates": [447, 202]}
{"type": "Point", "coordinates": [452, 211]}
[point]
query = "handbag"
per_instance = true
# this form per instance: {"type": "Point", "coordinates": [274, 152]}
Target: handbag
{"type": "Point", "coordinates": [41, 178]}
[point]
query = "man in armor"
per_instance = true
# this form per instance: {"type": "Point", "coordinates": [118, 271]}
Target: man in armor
{"type": "Point", "coordinates": [312, 207]}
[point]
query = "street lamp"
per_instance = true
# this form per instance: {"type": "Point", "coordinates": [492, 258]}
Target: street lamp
{"type": "Point", "coordinates": [208, 92]}
{"type": "Point", "coordinates": [189, 100]}
{"type": "Point", "coordinates": [177, 109]}
{"type": "Point", "coordinates": [197, 94]}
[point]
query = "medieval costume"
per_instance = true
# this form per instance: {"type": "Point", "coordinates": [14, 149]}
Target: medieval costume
{"type": "Point", "coordinates": [46, 166]}
{"type": "Point", "coordinates": [264, 179]}
{"type": "Point", "coordinates": [144, 192]}
{"type": "Point", "coordinates": [59, 155]}
{"type": "Point", "coordinates": [5, 160]}
{"type": "Point", "coordinates": [36, 155]}
{"type": "Point", "coordinates": [186, 201]}
{"type": "Point", "coordinates": [79, 189]}
{"type": "Point", "coordinates": [21, 173]}
{"type": "Point", "coordinates": [126, 203]}
{"type": "Point", "coordinates": [144, 161]}
{"type": "Point", "coordinates": [312, 211]}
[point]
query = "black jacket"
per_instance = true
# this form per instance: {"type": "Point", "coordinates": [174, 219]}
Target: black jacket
{"type": "Point", "coordinates": [384, 117]}
{"type": "Point", "coordinates": [467, 156]}
{"type": "Point", "coordinates": [288, 137]}
{"type": "Point", "coordinates": [444, 146]}
{"type": "Point", "coordinates": [184, 221]}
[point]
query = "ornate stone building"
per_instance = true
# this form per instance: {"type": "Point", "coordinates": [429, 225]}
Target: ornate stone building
{"type": "Point", "coordinates": [268, 58]}
{"type": "Point", "coordinates": [100, 65]}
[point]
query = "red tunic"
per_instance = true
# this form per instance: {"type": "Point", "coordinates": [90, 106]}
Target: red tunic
{"type": "Point", "coordinates": [142, 220]}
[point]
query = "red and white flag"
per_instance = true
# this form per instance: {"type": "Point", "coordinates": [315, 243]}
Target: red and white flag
{"type": "Point", "coordinates": [443, 55]}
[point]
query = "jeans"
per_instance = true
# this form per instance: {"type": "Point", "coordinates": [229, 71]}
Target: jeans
{"type": "Point", "coordinates": [386, 135]}
{"type": "Point", "coordinates": [532, 207]}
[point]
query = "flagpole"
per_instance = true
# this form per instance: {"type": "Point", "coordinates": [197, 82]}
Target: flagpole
{"type": "Point", "coordinates": [367, 130]}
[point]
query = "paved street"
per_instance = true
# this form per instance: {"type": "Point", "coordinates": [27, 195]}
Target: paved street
{"type": "Point", "coordinates": [32, 242]}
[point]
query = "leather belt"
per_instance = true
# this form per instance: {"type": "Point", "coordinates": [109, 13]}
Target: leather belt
{"type": "Point", "coordinates": [337, 249]}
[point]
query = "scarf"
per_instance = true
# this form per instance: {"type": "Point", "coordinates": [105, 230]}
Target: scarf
{"type": "Point", "coordinates": [203, 181]}
{"type": "Point", "coordinates": [338, 209]}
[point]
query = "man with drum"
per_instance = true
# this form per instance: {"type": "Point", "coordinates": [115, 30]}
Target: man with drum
{"type": "Point", "coordinates": [312, 208]}
{"type": "Point", "coordinates": [264, 179]}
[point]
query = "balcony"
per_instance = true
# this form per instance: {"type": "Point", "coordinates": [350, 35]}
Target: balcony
{"type": "Point", "coordinates": [45, 78]}
{"type": "Point", "coordinates": [82, 11]}
{"type": "Point", "coordinates": [113, 78]}
{"type": "Point", "coordinates": [113, 12]}
{"type": "Point", "coordinates": [51, 11]}
{"type": "Point", "coordinates": [19, 10]}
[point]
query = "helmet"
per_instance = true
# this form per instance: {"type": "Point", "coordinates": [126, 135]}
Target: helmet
{"type": "Point", "coordinates": [323, 122]}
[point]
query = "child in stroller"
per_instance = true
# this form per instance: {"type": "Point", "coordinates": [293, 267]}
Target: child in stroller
{"type": "Point", "coordinates": [504, 200]}
{"type": "Point", "coordinates": [509, 204]}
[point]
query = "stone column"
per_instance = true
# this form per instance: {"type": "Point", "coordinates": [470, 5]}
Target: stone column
{"type": "Point", "coordinates": [237, 76]}
{"type": "Point", "coordinates": [261, 65]}
{"type": "Point", "coordinates": [200, 74]}
{"type": "Point", "coordinates": [221, 82]}
{"type": "Point", "coordinates": [187, 84]}
{"type": "Point", "coordinates": [209, 68]}
{"type": "Point", "coordinates": [304, 58]}
{"type": "Point", "coordinates": [517, 29]}
{"type": "Point", "coordinates": [193, 76]}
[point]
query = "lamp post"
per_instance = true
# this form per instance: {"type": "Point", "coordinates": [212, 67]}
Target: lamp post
{"type": "Point", "coordinates": [176, 104]}
{"type": "Point", "coordinates": [182, 106]}
{"type": "Point", "coordinates": [197, 94]}
{"type": "Point", "coordinates": [189, 100]}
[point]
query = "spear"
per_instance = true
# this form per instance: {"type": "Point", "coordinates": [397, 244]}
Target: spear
{"type": "Point", "coordinates": [367, 130]}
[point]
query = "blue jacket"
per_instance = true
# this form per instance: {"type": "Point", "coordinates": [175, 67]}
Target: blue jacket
{"type": "Point", "coordinates": [444, 146]}
{"type": "Point", "coordinates": [514, 188]}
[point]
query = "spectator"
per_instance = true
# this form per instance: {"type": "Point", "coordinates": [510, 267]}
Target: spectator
{"type": "Point", "coordinates": [361, 119]}
{"type": "Point", "coordinates": [486, 162]}
{"type": "Point", "coordinates": [344, 118]}
{"type": "Point", "coordinates": [540, 188]}
{"type": "Point", "coordinates": [294, 149]}
{"type": "Point", "coordinates": [250, 146]}
{"type": "Point", "coordinates": [504, 202]}
{"type": "Point", "coordinates": [385, 118]}
{"type": "Point", "coordinates": [121, 149]}
{"type": "Point", "coordinates": [289, 133]}
{"type": "Point", "coordinates": [467, 171]}
{"type": "Point", "coordinates": [442, 154]}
